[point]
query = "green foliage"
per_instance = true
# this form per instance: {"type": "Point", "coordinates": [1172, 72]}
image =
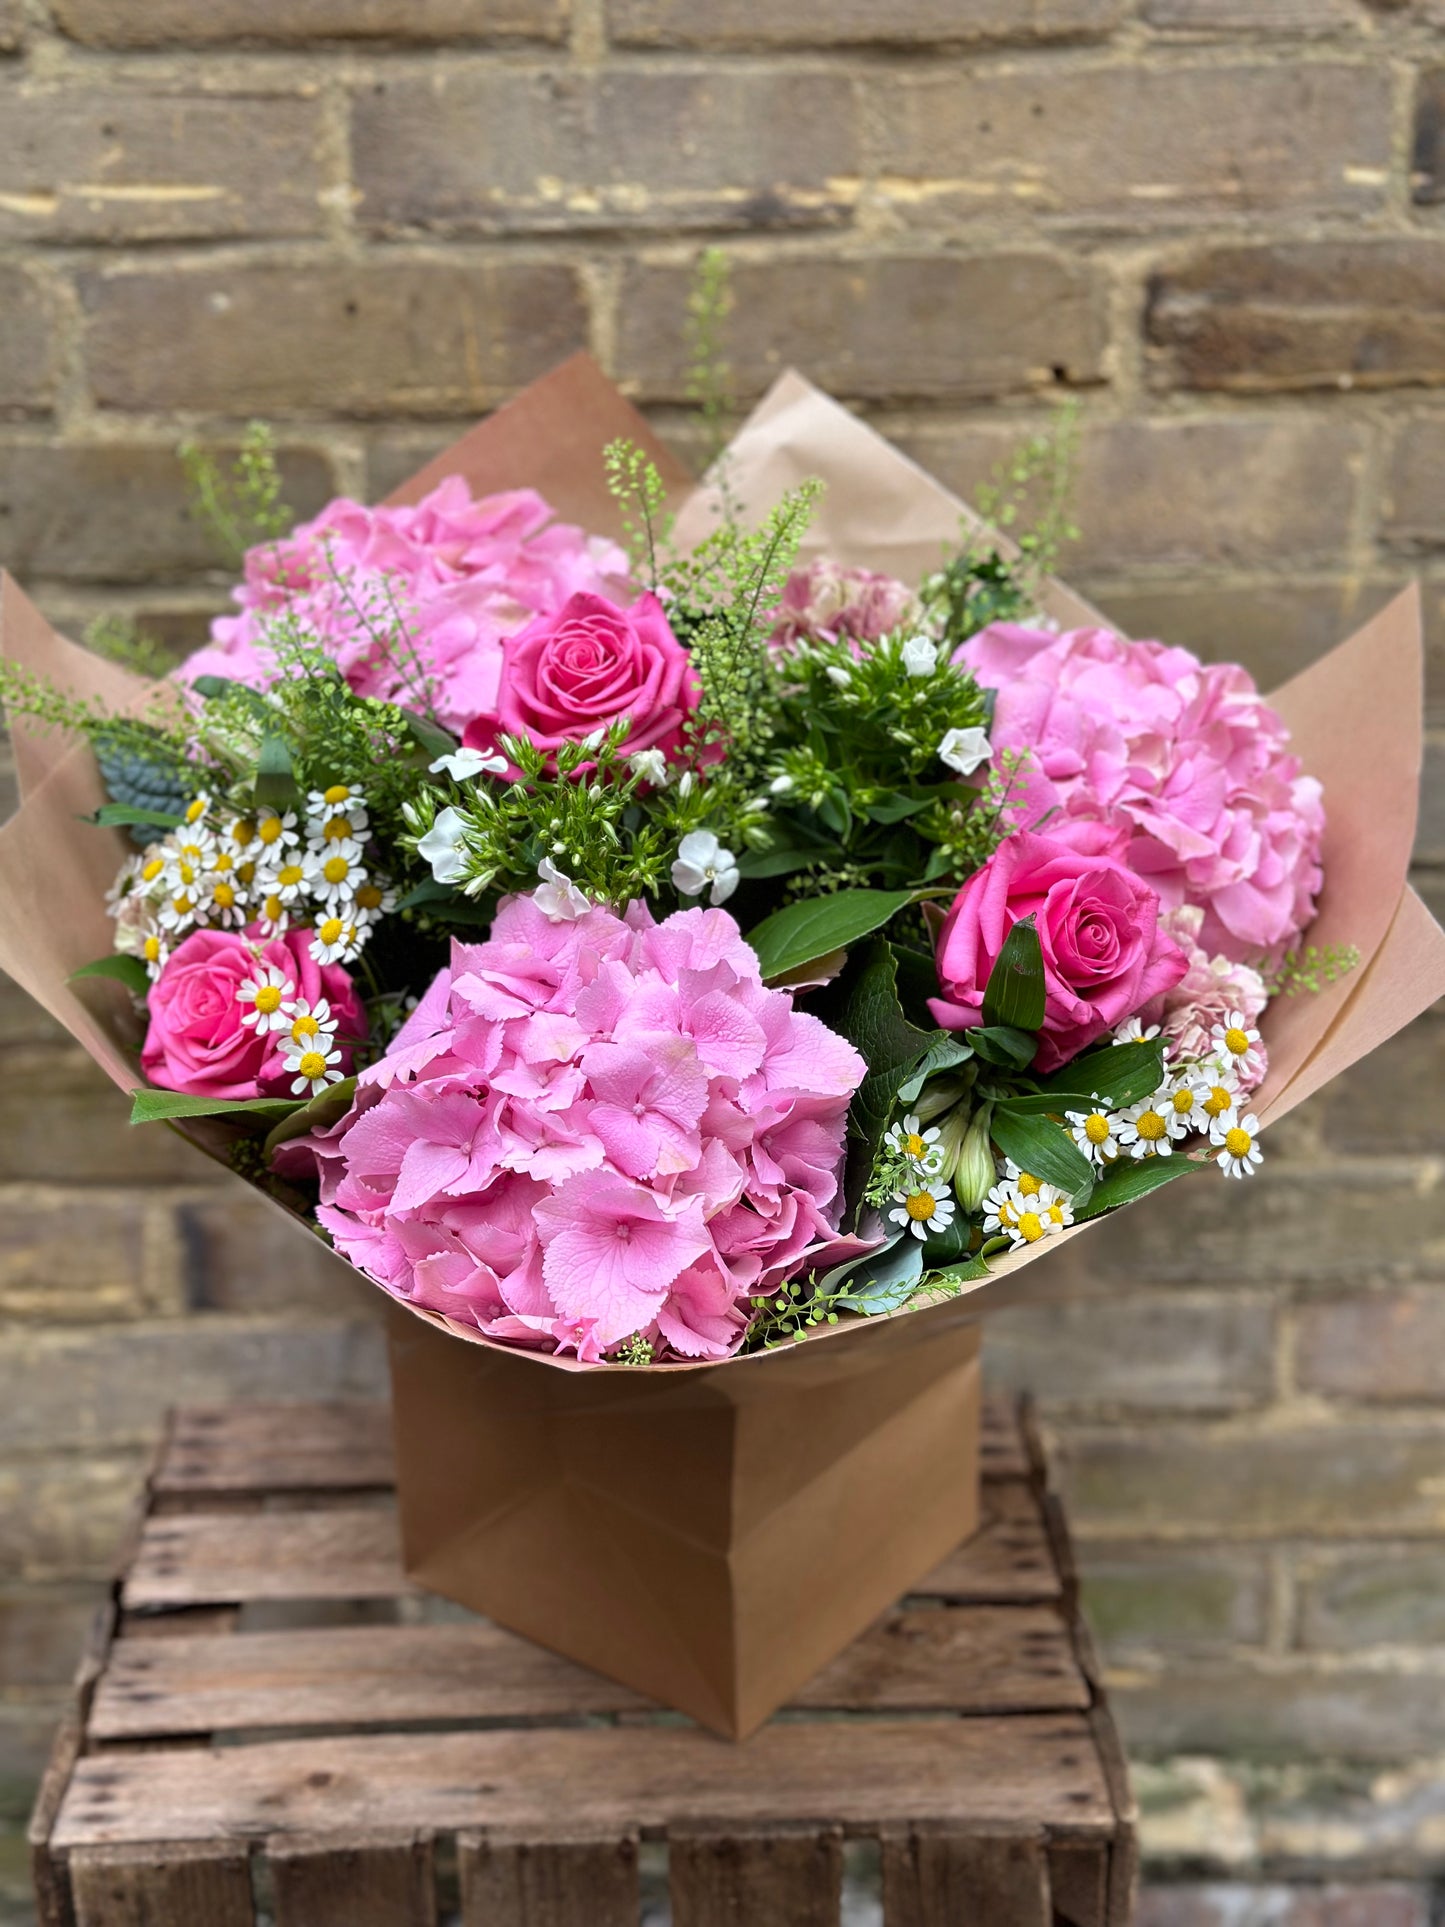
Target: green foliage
{"type": "Point", "coordinates": [708, 376]}
{"type": "Point", "coordinates": [242, 505]}
{"type": "Point", "coordinates": [129, 971]}
{"type": "Point", "coordinates": [1310, 969]}
{"type": "Point", "coordinates": [636, 1350]}
{"type": "Point", "coordinates": [1040, 1146]}
{"type": "Point", "coordinates": [120, 638]}
{"type": "Point", "coordinates": [1014, 994]}
{"type": "Point", "coordinates": [635, 485]}
{"type": "Point", "coordinates": [802, 932]}
{"type": "Point", "coordinates": [151, 1107]}
{"type": "Point", "coordinates": [1136, 1178]}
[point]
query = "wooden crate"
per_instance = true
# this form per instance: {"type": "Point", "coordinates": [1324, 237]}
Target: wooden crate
{"type": "Point", "coordinates": [273, 1725]}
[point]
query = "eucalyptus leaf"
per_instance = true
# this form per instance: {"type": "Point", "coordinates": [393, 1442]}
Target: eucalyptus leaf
{"type": "Point", "coordinates": [129, 971]}
{"type": "Point", "coordinates": [1136, 1179]}
{"type": "Point", "coordinates": [1043, 1148]}
{"type": "Point", "coordinates": [888, 1279]}
{"type": "Point", "coordinates": [799, 932]}
{"type": "Point", "coordinates": [1014, 994]}
{"type": "Point", "coordinates": [153, 1107]}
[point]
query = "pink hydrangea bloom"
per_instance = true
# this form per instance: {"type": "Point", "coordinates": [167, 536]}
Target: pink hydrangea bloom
{"type": "Point", "coordinates": [593, 1128]}
{"type": "Point", "coordinates": [1186, 756]}
{"type": "Point", "coordinates": [823, 602]}
{"type": "Point", "coordinates": [462, 574]}
{"type": "Point", "coordinates": [1205, 996]}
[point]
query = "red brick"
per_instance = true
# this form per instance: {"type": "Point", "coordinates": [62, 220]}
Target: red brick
{"type": "Point", "coordinates": [199, 23]}
{"type": "Point", "coordinates": [1379, 1596]}
{"type": "Point", "coordinates": [934, 326]}
{"type": "Point", "coordinates": [29, 358]}
{"type": "Point", "coordinates": [1390, 1100]}
{"type": "Point", "coordinates": [528, 149]}
{"type": "Point", "coordinates": [105, 164]}
{"type": "Point", "coordinates": [1301, 314]}
{"type": "Point", "coordinates": [1226, 491]}
{"type": "Point", "coordinates": [1133, 146]}
{"type": "Point", "coordinates": [120, 512]}
{"type": "Point", "coordinates": [393, 456]}
{"type": "Point", "coordinates": [378, 338]}
{"type": "Point", "coordinates": [1386, 1346]}
{"type": "Point", "coordinates": [1412, 506]}
{"type": "Point", "coordinates": [829, 23]}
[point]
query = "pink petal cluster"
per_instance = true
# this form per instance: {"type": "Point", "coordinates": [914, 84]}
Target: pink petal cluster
{"type": "Point", "coordinates": [1186, 757]}
{"type": "Point", "coordinates": [823, 602]}
{"type": "Point", "coordinates": [1205, 996]}
{"type": "Point", "coordinates": [462, 574]}
{"type": "Point", "coordinates": [594, 1128]}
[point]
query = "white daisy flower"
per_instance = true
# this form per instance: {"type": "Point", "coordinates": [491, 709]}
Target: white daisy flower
{"type": "Point", "coordinates": [178, 911]}
{"type": "Point", "coordinates": [441, 847]}
{"type": "Point", "coordinates": [910, 1140]}
{"type": "Point", "coordinates": [153, 866]}
{"type": "Point", "coordinates": [927, 1208]}
{"type": "Point", "coordinates": [335, 872]}
{"type": "Point", "coordinates": [1132, 1031]}
{"type": "Point", "coordinates": [702, 860]}
{"type": "Point", "coordinates": [965, 750]}
{"type": "Point", "coordinates": [339, 796]}
{"type": "Point", "coordinates": [126, 879]}
{"type": "Point", "coordinates": [1023, 1182]}
{"type": "Point", "coordinates": [1216, 1090]}
{"type": "Point", "coordinates": [1001, 1208]}
{"type": "Point", "coordinates": [153, 953]}
{"type": "Point", "coordinates": [239, 834]}
{"type": "Point", "coordinates": [196, 809]}
{"type": "Point", "coordinates": [337, 940]}
{"type": "Point", "coordinates": [1181, 1093]}
{"type": "Point", "coordinates": [1038, 1215]}
{"type": "Point", "coordinates": [188, 856]}
{"type": "Point", "coordinates": [272, 914]}
{"type": "Point", "coordinates": [1152, 1127]}
{"type": "Point", "coordinates": [557, 896]}
{"type": "Point", "coordinates": [1235, 1043]}
{"type": "Point", "coordinates": [373, 900]}
{"type": "Point", "coordinates": [314, 1069]}
{"type": "Point", "coordinates": [345, 823]}
{"type": "Point", "coordinates": [265, 990]}
{"type": "Point", "coordinates": [919, 655]}
{"type": "Point", "coordinates": [287, 881]}
{"type": "Point", "coordinates": [1237, 1140]}
{"type": "Point", "coordinates": [308, 1024]}
{"type": "Point", "coordinates": [220, 902]}
{"type": "Point", "coordinates": [650, 766]}
{"type": "Point", "coordinates": [1095, 1131]}
{"type": "Point", "coordinates": [276, 834]}
{"type": "Point", "coordinates": [462, 765]}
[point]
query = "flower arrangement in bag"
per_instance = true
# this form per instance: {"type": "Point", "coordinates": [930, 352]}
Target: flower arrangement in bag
{"type": "Point", "coordinates": [645, 955]}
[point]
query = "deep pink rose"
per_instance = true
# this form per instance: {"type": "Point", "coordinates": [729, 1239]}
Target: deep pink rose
{"type": "Point", "coordinates": [1104, 952]}
{"type": "Point", "coordinates": [567, 674]}
{"type": "Point", "coordinates": [196, 1041]}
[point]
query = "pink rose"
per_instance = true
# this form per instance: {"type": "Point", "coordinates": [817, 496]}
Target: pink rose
{"type": "Point", "coordinates": [822, 602]}
{"type": "Point", "coordinates": [197, 1042]}
{"type": "Point", "coordinates": [565, 675]}
{"type": "Point", "coordinates": [1104, 952]}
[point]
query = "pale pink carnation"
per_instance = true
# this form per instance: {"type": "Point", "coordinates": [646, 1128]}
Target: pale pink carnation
{"type": "Point", "coordinates": [1187, 757]}
{"type": "Point", "coordinates": [591, 1129]}
{"type": "Point", "coordinates": [824, 602]}
{"type": "Point", "coordinates": [1205, 996]}
{"type": "Point", "coordinates": [462, 575]}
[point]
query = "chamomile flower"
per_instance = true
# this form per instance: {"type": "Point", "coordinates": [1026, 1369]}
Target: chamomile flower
{"type": "Point", "coordinates": [309, 1026]}
{"type": "Point", "coordinates": [1001, 1208]}
{"type": "Point", "coordinates": [1095, 1131]}
{"type": "Point", "coordinates": [1181, 1094]}
{"type": "Point", "coordinates": [219, 903]}
{"type": "Point", "coordinates": [239, 834]}
{"type": "Point", "coordinates": [1024, 1182]}
{"type": "Point", "coordinates": [287, 881]}
{"type": "Point", "coordinates": [338, 822]}
{"type": "Point", "coordinates": [340, 799]}
{"type": "Point", "coordinates": [373, 899]}
{"type": "Point", "coordinates": [153, 865]}
{"type": "Point", "coordinates": [126, 879]}
{"type": "Point", "coordinates": [910, 1140]}
{"type": "Point", "coordinates": [1235, 1044]}
{"type": "Point", "coordinates": [266, 990]}
{"type": "Point", "coordinates": [1039, 1215]}
{"type": "Point", "coordinates": [925, 1208]}
{"type": "Point", "coordinates": [196, 809]}
{"type": "Point", "coordinates": [153, 953]}
{"type": "Point", "coordinates": [1151, 1128]}
{"type": "Point", "coordinates": [313, 1069]}
{"type": "Point", "coordinates": [336, 940]}
{"type": "Point", "coordinates": [1236, 1139]}
{"type": "Point", "coordinates": [1216, 1092]}
{"type": "Point", "coordinates": [276, 833]}
{"type": "Point", "coordinates": [1132, 1031]}
{"type": "Point", "coordinates": [335, 872]}
{"type": "Point", "coordinates": [272, 915]}
{"type": "Point", "coordinates": [178, 911]}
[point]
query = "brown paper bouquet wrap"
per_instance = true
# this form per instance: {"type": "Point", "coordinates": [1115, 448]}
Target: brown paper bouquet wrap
{"type": "Point", "coordinates": [712, 1534]}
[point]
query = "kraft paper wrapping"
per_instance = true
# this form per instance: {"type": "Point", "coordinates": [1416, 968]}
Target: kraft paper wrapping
{"type": "Point", "coordinates": [711, 1534]}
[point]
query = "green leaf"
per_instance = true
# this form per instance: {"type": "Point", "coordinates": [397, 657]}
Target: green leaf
{"type": "Point", "coordinates": [943, 1054]}
{"type": "Point", "coordinates": [895, 807]}
{"type": "Point", "coordinates": [965, 1272]}
{"type": "Point", "coordinates": [1014, 994]}
{"type": "Point", "coordinates": [831, 1280]}
{"type": "Point", "coordinates": [1121, 1074]}
{"type": "Point", "coordinates": [428, 735]}
{"type": "Point", "coordinates": [1011, 1050]}
{"type": "Point", "coordinates": [152, 1107]}
{"type": "Point", "coordinates": [125, 816]}
{"type": "Point", "coordinates": [275, 778]}
{"type": "Point", "coordinates": [129, 971]}
{"type": "Point", "coordinates": [325, 1109]}
{"type": "Point", "coordinates": [1043, 1148]}
{"type": "Point", "coordinates": [802, 931]}
{"type": "Point", "coordinates": [1136, 1179]}
{"type": "Point", "coordinates": [889, 1278]}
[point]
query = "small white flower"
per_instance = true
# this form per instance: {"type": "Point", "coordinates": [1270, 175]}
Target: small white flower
{"type": "Point", "coordinates": [1132, 1031]}
{"type": "Point", "coordinates": [441, 847]}
{"type": "Point", "coordinates": [557, 896]}
{"type": "Point", "coordinates": [336, 872]}
{"type": "Point", "coordinates": [1235, 1043]}
{"type": "Point", "coordinates": [1217, 1091]}
{"type": "Point", "coordinates": [780, 785]}
{"type": "Point", "coordinates": [685, 784]}
{"type": "Point", "coordinates": [462, 765]}
{"type": "Point", "coordinates": [178, 912]}
{"type": "Point", "coordinates": [372, 900]}
{"type": "Point", "coordinates": [1237, 1141]}
{"type": "Point", "coordinates": [919, 656]}
{"type": "Point", "coordinates": [965, 750]}
{"type": "Point", "coordinates": [347, 823]}
{"type": "Point", "coordinates": [153, 952]}
{"type": "Point", "coordinates": [313, 1069]}
{"type": "Point", "coordinates": [838, 676]}
{"type": "Point", "coordinates": [702, 860]}
{"type": "Point", "coordinates": [1001, 1208]}
{"type": "Point", "coordinates": [339, 796]}
{"type": "Point", "coordinates": [196, 809]}
{"type": "Point", "coordinates": [275, 833]}
{"type": "Point", "coordinates": [1181, 1094]}
{"type": "Point", "coordinates": [272, 914]}
{"type": "Point", "coordinates": [266, 991]}
{"type": "Point", "coordinates": [337, 940]}
{"type": "Point", "coordinates": [911, 1141]}
{"type": "Point", "coordinates": [221, 902]}
{"type": "Point", "coordinates": [288, 880]}
{"type": "Point", "coordinates": [650, 766]}
{"type": "Point", "coordinates": [929, 1208]}
{"type": "Point", "coordinates": [126, 879]}
{"type": "Point", "coordinates": [308, 1024]}
{"type": "Point", "coordinates": [1026, 1217]}
{"type": "Point", "coordinates": [1095, 1131]}
{"type": "Point", "coordinates": [1152, 1127]}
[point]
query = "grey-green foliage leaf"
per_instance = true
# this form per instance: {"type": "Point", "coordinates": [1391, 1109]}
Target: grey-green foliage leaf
{"type": "Point", "coordinates": [800, 932]}
{"type": "Point", "coordinates": [888, 1279]}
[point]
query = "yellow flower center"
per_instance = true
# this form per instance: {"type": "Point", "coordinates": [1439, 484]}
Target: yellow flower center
{"type": "Point", "coordinates": [242, 833]}
{"type": "Point", "coordinates": [273, 909]}
{"type": "Point", "coordinates": [1096, 1128]}
{"type": "Point", "coordinates": [1056, 1213]}
{"type": "Point", "coordinates": [1028, 1185]}
{"type": "Point", "coordinates": [268, 998]}
{"type": "Point", "coordinates": [336, 869]}
{"type": "Point", "coordinates": [289, 873]}
{"type": "Point", "coordinates": [336, 828]}
{"type": "Point", "coordinates": [153, 869]}
{"type": "Point", "coordinates": [1237, 1142]}
{"type": "Point", "coordinates": [224, 896]}
{"type": "Point", "coordinates": [195, 811]}
{"type": "Point", "coordinates": [1183, 1102]}
{"type": "Point", "coordinates": [152, 949]}
{"type": "Point", "coordinates": [1217, 1102]}
{"type": "Point", "coordinates": [182, 904]}
{"type": "Point", "coordinates": [186, 872]}
{"type": "Point", "coordinates": [369, 896]}
{"type": "Point", "coordinates": [1236, 1040]}
{"type": "Point", "coordinates": [303, 1028]}
{"type": "Point", "coordinates": [329, 931]}
{"type": "Point", "coordinates": [338, 793]}
{"type": "Point", "coordinates": [913, 1144]}
{"type": "Point", "coordinates": [313, 1064]}
{"type": "Point", "coordinates": [269, 829]}
{"type": "Point", "coordinates": [223, 862]}
{"type": "Point", "coordinates": [920, 1206]}
{"type": "Point", "coordinates": [1032, 1226]}
{"type": "Point", "coordinates": [246, 872]}
{"type": "Point", "coordinates": [1151, 1126]}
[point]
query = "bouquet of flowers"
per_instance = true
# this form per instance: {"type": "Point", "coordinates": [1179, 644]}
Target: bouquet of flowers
{"type": "Point", "coordinates": [641, 952]}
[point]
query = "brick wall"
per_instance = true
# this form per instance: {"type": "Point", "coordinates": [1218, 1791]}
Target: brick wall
{"type": "Point", "coordinates": [1216, 222]}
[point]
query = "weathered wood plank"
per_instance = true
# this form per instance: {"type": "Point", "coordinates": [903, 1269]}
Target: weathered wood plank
{"type": "Point", "coordinates": [47, 1873]}
{"type": "Point", "coordinates": [931, 1876]}
{"type": "Point", "coordinates": [201, 1559]}
{"type": "Point", "coordinates": [743, 1877]}
{"type": "Point", "coordinates": [568, 1879]}
{"type": "Point", "coordinates": [1008, 1558]}
{"type": "Point", "coordinates": [165, 1884]}
{"type": "Point", "coordinates": [1040, 1770]}
{"type": "Point", "coordinates": [1079, 1883]}
{"type": "Point", "coordinates": [1003, 1452]}
{"type": "Point", "coordinates": [340, 1447]}
{"type": "Point", "coordinates": [367, 1881]}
